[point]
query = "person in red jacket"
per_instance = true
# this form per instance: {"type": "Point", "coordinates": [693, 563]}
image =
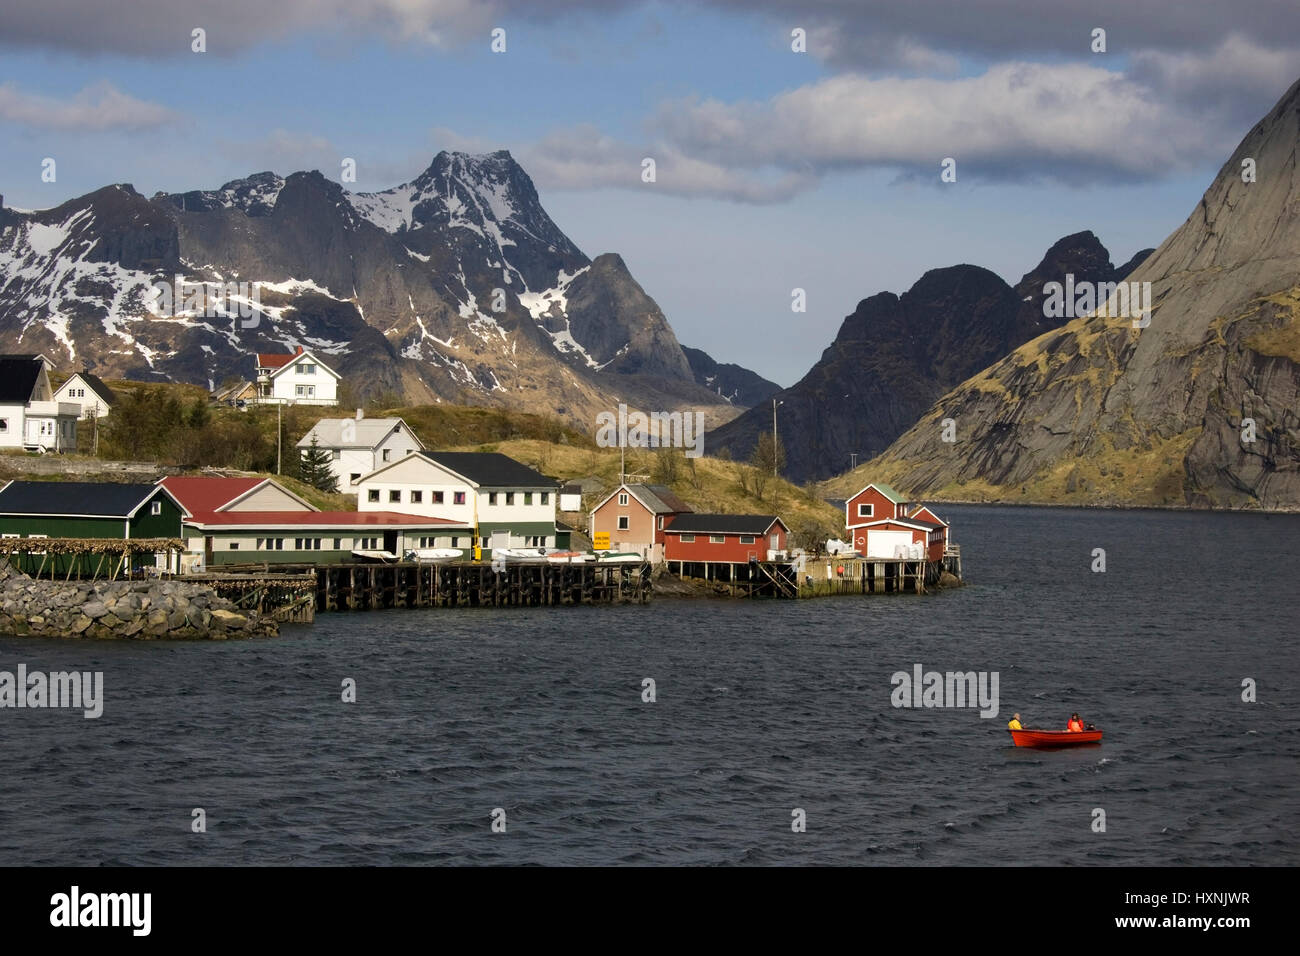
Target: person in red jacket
{"type": "Point", "coordinates": [1075, 725]}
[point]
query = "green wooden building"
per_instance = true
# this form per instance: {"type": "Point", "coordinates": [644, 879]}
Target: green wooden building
{"type": "Point", "coordinates": [85, 509]}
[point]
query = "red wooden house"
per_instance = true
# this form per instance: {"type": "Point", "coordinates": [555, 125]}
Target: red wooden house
{"type": "Point", "coordinates": [711, 545]}
{"type": "Point", "coordinates": [879, 520]}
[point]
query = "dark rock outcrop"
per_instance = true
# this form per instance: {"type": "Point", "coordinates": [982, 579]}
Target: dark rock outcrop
{"type": "Point", "coordinates": [896, 354]}
{"type": "Point", "coordinates": [1102, 412]}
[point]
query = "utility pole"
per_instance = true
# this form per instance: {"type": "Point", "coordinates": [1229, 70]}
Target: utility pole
{"type": "Point", "coordinates": [279, 433]}
{"type": "Point", "coordinates": [775, 457]}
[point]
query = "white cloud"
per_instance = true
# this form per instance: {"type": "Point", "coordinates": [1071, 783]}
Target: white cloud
{"type": "Point", "coordinates": [95, 108]}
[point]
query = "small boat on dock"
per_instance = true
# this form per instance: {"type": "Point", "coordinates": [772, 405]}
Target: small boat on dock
{"type": "Point", "coordinates": [377, 557]}
{"type": "Point", "coordinates": [621, 557]}
{"type": "Point", "coordinates": [1051, 739]}
{"type": "Point", "coordinates": [567, 557]}
{"type": "Point", "coordinates": [434, 555]}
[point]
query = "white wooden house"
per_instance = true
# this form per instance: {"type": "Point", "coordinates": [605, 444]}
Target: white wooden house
{"type": "Point", "coordinates": [30, 416]}
{"type": "Point", "coordinates": [298, 378]}
{"type": "Point", "coordinates": [357, 446]}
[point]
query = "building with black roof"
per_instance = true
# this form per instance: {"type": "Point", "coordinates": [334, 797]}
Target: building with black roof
{"type": "Point", "coordinates": [509, 504]}
{"type": "Point", "coordinates": [87, 509]}
{"type": "Point", "coordinates": [31, 416]}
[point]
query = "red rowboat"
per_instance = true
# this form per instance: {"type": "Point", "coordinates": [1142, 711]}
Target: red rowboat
{"type": "Point", "coordinates": [1055, 738]}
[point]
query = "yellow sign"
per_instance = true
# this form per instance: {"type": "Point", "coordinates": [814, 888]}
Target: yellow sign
{"type": "Point", "coordinates": [600, 541]}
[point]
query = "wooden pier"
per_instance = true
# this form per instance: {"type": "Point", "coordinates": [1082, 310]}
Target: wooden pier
{"type": "Point", "coordinates": [357, 587]}
{"type": "Point", "coordinates": [287, 598]}
{"type": "Point", "coordinates": [836, 575]}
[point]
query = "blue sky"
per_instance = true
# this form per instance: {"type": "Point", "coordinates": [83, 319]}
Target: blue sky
{"type": "Point", "coordinates": [776, 169]}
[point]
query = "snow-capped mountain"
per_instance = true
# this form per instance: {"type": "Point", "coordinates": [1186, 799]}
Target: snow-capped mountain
{"type": "Point", "coordinates": [456, 285]}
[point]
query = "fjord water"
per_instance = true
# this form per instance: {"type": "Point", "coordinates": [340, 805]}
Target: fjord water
{"type": "Point", "coordinates": [761, 708]}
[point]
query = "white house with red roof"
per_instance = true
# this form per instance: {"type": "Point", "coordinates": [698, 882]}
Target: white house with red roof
{"type": "Point", "coordinates": [880, 522]}
{"type": "Point", "coordinates": [295, 378]}
{"type": "Point", "coordinates": [229, 521]}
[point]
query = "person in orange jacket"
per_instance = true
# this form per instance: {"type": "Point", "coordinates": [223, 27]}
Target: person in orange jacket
{"type": "Point", "coordinates": [1075, 725]}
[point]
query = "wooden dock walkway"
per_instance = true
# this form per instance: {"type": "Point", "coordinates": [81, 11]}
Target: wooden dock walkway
{"type": "Point", "coordinates": [294, 593]}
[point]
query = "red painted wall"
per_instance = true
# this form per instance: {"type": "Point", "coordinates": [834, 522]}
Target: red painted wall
{"type": "Point", "coordinates": [701, 549]}
{"type": "Point", "coordinates": [884, 508]}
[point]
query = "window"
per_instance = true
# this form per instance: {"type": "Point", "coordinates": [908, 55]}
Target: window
{"type": "Point", "coordinates": [458, 497]}
{"type": "Point", "coordinates": [622, 523]}
{"type": "Point", "coordinates": [546, 497]}
{"type": "Point", "coordinates": [155, 508]}
{"type": "Point", "coordinates": [866, 511]}
{"type": "Point", "coordinates": [395, 496]}
{"type": "Point", "coordinates": [367, 544]}
{"type": "Point", "coordinates": [528, 497]}
{"type": "Point", "coordinates": [234, 546]}
{"type": "Point", "coordinates": [510, 497]}
{"type": "Point", "coordinates": [4, 424]}
{"type": "Point", "coordinates": [746, 539]}
{"type": "Point", "coordinates": [437, 497]}
{"type": "Point", "coordinates": [354, 477]}
{"type": "Point", "coordinates": [717, 538]}
{"type": "Point", "coordinates": [492, 497]}
{"type": "Point", "coordinates": [661, 522]}
{"type": "Point", "coordinates": [372, 494]}
{"type": "Point", "coordinates": [417, 497]}
{"type": "Point", "coordinates": [688, 539]}
{"type": "Point", "coordinates": [387, 453]}
{"type": "Point", "coordinates": [336, 454]}
{"type": "Point", "coordinates": [306, 368]}
{"type": "Point", "coordinates": [338, 544]}
{"type": "Point", "coordinates": [305, 391]}
{"type": "Point", "coordinates": [455, 541]}
{"type": "Point", "coordinates": [622, 498]}
{"type": "Point", "coordinates": [902, 511]}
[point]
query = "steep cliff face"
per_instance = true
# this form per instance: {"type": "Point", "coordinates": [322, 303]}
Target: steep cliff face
{"type": "Point", "coordinates": [896, 354]}
{"type": "Point", "coordinates": [1199, 407]}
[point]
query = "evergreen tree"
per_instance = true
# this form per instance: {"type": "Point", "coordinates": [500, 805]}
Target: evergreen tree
{"type": "Point", "coordinates": [314, 468]}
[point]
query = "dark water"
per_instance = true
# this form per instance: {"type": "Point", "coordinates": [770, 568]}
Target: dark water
{"type": "Point", "coordinates": [762, 707]}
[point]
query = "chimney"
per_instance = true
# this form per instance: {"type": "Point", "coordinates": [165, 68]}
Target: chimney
{"type": "Point", "coordinates": [299, 352]}
{"type": "Point", "coordinates": [360, 414]}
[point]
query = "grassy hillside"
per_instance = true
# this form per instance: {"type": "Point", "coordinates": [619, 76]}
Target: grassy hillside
{"type": "Point", "coordinates": [175, 426]}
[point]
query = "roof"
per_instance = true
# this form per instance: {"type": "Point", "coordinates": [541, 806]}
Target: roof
{"type": "Point", "coordinates": [366, 432]}
{"type": "Point", "coordinates": [89, 499]}
{"type": "Point", "coordinates": [267, 360]}
{"type": "Point", "coordinates": [572, 488]}
{"type": "Point", "coordinates": [658, 499]}
{"type": "Point", "coordinates": [931, 511]}
{"type": "Point", "coordinates": [489, 469]}
{"type": "Point", "coordinates": [887, 491]}
{"type": "Point", "coordinates": [18, 375]}
{"type": "Point", "coordinates": [722, 524]}
{"type": "Point", "coordinates": [319, 519]}
{"type": "Point", "coordinates": [207, 494]}
{"type": "Point", "coordinates": [200, 493]}
{"type": "Point", "coordinates": [97, 383]}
